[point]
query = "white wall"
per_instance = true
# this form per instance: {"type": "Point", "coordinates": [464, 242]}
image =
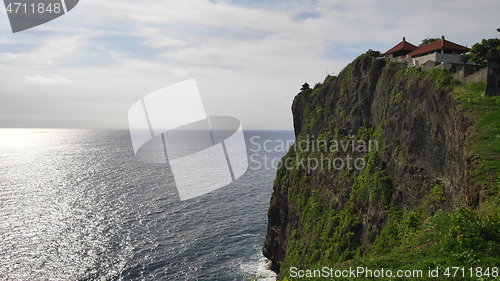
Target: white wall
{"type": "Point", "coordinates": [437, 57]}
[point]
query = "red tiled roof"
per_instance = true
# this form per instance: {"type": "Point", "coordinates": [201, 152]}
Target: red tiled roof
{"type": "Point", "coordinates": [438, 45]}
{"type": "Point", "coordinates": [402, 46]}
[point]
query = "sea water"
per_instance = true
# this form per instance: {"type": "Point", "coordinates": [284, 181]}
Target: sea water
{"type": "Point", "coordinates": [78, 205]}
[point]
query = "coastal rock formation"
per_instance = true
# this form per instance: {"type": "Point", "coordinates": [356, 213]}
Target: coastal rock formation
{"type": "Point", "coordinates": [327, 212]}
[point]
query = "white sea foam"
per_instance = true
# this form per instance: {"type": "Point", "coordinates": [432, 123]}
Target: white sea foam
{"type": "Point", "coordinates": [264, 272]}
{"type": "Point", "coordinates": [259, 267]}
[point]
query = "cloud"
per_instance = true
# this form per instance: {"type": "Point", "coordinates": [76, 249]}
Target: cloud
{"type": "Point", "coordinates": [179, 72]}
{"type": "Point", "coordinates": [249, 57]}
{"type": "Point", "coordinates": [158, 39]}
{"type": "Point", "coordinates": [49, 51]}
{"type": "Point", "coordinates": [40, 80]}
{"type": "Point", "coordinates": [194, 12]}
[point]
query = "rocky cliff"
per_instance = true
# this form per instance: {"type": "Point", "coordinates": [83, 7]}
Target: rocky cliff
{"type": "Point", "coordinates": [377, 146]}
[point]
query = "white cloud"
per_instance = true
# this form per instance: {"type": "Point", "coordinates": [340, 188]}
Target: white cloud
{"type": "Point", "coordinates": [9, 55]}
{"type": "Point", "coordinates": [193, 12]}
{"type": "Point", "coordinates": [38, 79]}
{"type": "Point", "coordinates": [50, 51]}
{"type": "Point", "coordinates": [157, 38]}
{"type": "Point", "coordinates": [249, 62]}
{"type": "Point", "coordinates": [179, 72]}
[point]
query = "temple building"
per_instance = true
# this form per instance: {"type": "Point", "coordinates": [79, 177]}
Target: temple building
{"type": "Point", "coordinates": [400, 50]}
{"type": "Point", "coordinates": [441, 54]}
{"type": "Point", "coordinates": [444, 54]}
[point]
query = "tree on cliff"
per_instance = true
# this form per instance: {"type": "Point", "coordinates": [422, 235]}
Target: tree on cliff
{"type": "Point", "coordinates": [479, 50]}
{"type": "Point", "coordinates": [428, 40]}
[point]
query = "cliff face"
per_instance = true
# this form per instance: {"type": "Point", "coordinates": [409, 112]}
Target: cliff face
{"type": "Point", "coordinates": [331, 213]}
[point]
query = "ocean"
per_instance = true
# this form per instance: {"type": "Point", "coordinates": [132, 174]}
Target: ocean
{"type": "Point", "coordinates": [78, 205]}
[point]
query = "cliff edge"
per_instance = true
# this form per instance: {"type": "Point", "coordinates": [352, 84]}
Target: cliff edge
{"type": "Point", "coordinates": [380, 150]}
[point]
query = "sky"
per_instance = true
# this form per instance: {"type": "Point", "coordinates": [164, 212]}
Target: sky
{"type": "Point", "coordinates": [86, 68]}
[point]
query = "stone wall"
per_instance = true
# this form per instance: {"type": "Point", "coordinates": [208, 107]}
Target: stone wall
{"type": "Point", "coordinates": [436, 57]}
{"type": "Point", "coordinates": [478, 76]}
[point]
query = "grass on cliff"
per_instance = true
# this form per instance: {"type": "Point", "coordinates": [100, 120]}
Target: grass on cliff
{"type": "Point", "coordinates": [465, 238]}
{"type": "Point", "coordinates": [485, 140]}
{"type": "Point", "coordinates": [411, 240]}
